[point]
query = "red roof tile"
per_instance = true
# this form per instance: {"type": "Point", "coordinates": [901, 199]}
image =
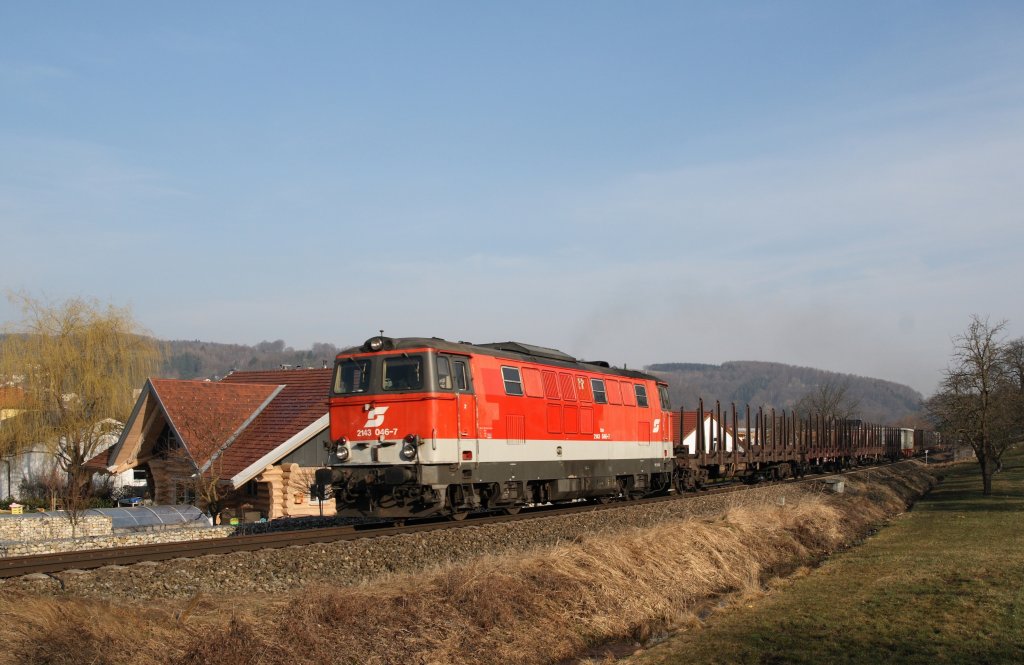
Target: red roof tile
{"type": "Point", "coordinates": [301, 402]}
{"type": "Point", "coordinates": [689, 423]}
{"type": "Point", "coordinates": [205, 414]}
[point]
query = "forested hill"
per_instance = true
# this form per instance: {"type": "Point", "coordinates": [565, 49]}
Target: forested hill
{"type": "Point", "coordinates": [782, 386]}
{"type": "Point", "coordinates": [210, 360]}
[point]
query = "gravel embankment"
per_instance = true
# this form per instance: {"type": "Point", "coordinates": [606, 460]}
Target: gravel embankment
{"type": "Point", "coordinates": [353, 562]}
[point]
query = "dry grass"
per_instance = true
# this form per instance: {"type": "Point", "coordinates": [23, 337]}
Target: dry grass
{"type": "Point", "coordinates": [539, 607]}
{"type": "Point", "coordinates": [941, 584]}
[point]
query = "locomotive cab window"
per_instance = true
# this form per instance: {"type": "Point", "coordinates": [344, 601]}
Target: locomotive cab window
{"type": "Point", "coordinates": [352, 375]}
{"type": "Point", "coordinates": [597, 387]}
{"type": "Point", "coordinates": [444, 373]}
{"type": "Point", "coordinates": [666, 403]}
{"type": "Point", "coordinates": [403, 373]}
{"type": "Point", "coordinates": [461, 376]}
{"type": "Point", "coordinates": [641, 394]}
{"type": "Point", "coordinates": [513, 381]}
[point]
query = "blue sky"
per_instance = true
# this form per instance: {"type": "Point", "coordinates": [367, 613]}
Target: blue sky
{"type": "Point", "coordinates": [829, 184]}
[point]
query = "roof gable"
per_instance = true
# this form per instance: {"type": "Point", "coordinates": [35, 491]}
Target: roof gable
{"type": "Point", "coordinates": [207, 415]}
{"type": "Point", "coordinates": [233, 428]}
{"type": "Point", "coordinates": [295, 415]}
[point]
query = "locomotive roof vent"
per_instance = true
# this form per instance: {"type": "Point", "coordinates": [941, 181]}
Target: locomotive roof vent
{"type": "Point", "coordinates": [531, 350]}
{"type": "Point", "coordinates": [599, 363]}
{"type": "Point", "coordinates": [379, 343]}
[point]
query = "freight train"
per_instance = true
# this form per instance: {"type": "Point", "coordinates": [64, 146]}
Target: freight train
{"type": "Point", "coordinates": [425, 426]}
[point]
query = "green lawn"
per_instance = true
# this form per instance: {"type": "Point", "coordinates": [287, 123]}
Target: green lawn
{"type": "Point", "coordinates": [941, 584]}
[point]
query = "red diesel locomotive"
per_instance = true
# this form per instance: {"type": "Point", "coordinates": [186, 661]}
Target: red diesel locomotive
{"type": "Point", "coordinates": [423, 426]}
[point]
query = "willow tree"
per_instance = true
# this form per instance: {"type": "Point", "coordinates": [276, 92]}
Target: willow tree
{"type": "Point", "coordinates": [76, 365]}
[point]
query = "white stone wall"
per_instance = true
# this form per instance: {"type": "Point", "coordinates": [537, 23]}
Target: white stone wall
{"type": "Point", "coordinates": [31, 528]}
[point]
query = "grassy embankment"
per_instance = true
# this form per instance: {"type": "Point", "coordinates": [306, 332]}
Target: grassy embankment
{"type": "Point", "coordinates": [536, 607]}
{"type": "Point", "coordinates": [942, 584]}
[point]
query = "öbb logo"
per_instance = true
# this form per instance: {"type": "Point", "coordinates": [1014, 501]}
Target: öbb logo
{"type": "Point", "coordinates": [375, 416]}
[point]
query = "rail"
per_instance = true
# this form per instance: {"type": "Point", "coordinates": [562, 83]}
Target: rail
{"type": "Point", "coordinates": [121, 556]}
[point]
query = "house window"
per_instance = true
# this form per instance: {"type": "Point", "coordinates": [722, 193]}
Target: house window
{"type": "Point", "coordinates": [641, 394]}
{"type": "Point", "coordinates": [166, 443]}
{"type": "Point", "coordinates": [597, 386]}
{"type": "Point", "coordinates": [251, 488]}
{"type": "Point", "coordinates": [184, 494]}
{"type": "Point", "coordinates": [513, 382]}
{"type": "Point", "coordinates": [139, 474]}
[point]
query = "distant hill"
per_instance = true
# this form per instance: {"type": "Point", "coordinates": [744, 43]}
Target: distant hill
{"type": "Point", "coordinates": [210, 360]}
{"type": "Point", "coordinates": [757, 383]}
{"type": "Point", "coordinates": [781, 386]}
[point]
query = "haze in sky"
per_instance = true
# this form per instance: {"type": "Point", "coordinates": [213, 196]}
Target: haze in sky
{"type": "Point", "coordinates": [837, 185]}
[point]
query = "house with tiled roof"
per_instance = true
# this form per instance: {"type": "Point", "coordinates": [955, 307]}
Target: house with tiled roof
{"type": "Point", "coordinates": [687, 427]}
{"type": "Point", "coordinates": [257, 436]}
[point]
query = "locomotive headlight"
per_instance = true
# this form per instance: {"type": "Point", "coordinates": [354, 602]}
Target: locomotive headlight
{"type": "Point", "coordinates": [332, 446]}
{"type": "Point", "coordinates": [342, 453]}
{"type": "Point", "coordinates": [409, 445]}
{"type": "Point", "coordinates": [376, 344]}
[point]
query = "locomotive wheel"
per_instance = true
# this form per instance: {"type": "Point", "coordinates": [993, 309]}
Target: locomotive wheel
{"type": "Point", "coordinates": [459, 516]}
{"type": "Point", "coordinates": [513, 510]}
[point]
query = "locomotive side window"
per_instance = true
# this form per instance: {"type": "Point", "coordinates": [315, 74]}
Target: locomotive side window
{"type": "Point", "coordinates": [597, 385]}
{"type": "Point", "coordinates": [513, 382]}
{"type": "Point", "coordinates": [444, 373]}
{"type": "Point", "coordinates": [666, 402]}
{"type": "Point", "coordinates": [403, 373]}
{"type": "Point", "coordinates": [461, 375]}
{"type": "Point", "coordinates": [641, 394]}
{"type": "Point", "coordinates": [352, 376]}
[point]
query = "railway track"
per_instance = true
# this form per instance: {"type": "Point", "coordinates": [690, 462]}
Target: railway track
{"type": "Point", "coordinates": [122, 556]}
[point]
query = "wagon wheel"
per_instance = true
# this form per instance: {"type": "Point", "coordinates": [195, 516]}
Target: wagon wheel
{"type": "Point", "coordinates": [513, 510]}
{"type": "Point", "coordinates": [458, 516]}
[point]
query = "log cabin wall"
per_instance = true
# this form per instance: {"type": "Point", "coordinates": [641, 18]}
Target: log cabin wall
{"type": "Point", "coordinates": [288, 492]}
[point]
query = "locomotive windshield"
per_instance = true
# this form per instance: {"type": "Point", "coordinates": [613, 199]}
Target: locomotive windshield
{"type": "Point", "coordinates": [352, 375]}
{"type": "Point", "coordinates": [403, 373]}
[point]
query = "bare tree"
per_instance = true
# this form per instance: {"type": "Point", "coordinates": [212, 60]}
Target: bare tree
{"type": "Point", "coordinates": [209, 487]}
{"type": "Point", "coordinates": [831, 400]}
{"type": "Point", "coordinates": [977, 402]}
{"type": "Point", "coordinates": [77, 364]}
{"type": "Point", "coordinates": [1013, 356]}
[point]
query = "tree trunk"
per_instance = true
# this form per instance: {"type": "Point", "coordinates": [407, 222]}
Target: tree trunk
{"type": "Point", "coordinates": [986, 476]}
